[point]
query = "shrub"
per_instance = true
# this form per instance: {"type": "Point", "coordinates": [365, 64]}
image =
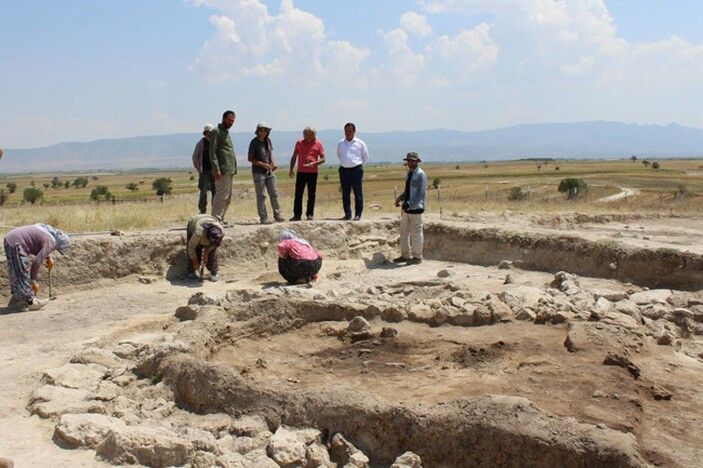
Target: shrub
{"type": "Point", "coordinates": [163, 186]}
{"type": "Point", "coordinates": [573, 187]}
{"type": "Point", "coordinates": [100, 191]}
{"type": "Point", "coordinates": [436, 182]}
{"type": "Point", "coordinates": [32, 195]}
{"type": "Point", "coordinates": [55, 183]}
{"type": "Point", "coordinates": [646, 163]}
{"type": "Point", "coordinates": [132, 187]}
{"type": "Point", "coordinates": [80, 182]}
{"type": "Point", "coordinates": [46, 185]}
{"type": "Point", "coordinates": [655, 165]}
{"type": "Point", "coordinates": [67, 184]}
{"type": "Point", "coordinates": [457, 167]}
{"type": "Point", "coordinates": [516, 194]}
{"type": "Point", "coordinates": [326, 177]}
{"type": "Point", "coordinates": [11, 187]}
{"type": "Point", "coordinates": [682, 192]}
{"type": "Point", "coordinates": [192, 177]}
{"type": "Point", "coordinates": [3, 197]}
{"type": "Point", "coordinates": [96, 177]}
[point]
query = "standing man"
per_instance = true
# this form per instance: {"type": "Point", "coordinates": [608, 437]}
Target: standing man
{"type": "Point", "coordinates": [224, 165]}
{"type": "Point", "coordinates": [201, 162]}
{"type": "Point", "coordinates": [263, 169]}
{"type": "Point", "coordinates": [310, 154]}
{"type": "Point", "coordinates": [413, 203]}
{"type": "Point", "coordinates": [352, 154]}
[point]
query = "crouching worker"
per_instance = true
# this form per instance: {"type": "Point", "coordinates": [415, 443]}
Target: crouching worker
{"type": "Point", "coordinates": [204, 235]}
{"type": "Point", "coordinates": [298, 262]}
{"type": "Point", "coordinates": [39, 240]}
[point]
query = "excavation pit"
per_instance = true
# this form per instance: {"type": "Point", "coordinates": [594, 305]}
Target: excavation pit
{"type": "Point", "coordinates": [456, 365]}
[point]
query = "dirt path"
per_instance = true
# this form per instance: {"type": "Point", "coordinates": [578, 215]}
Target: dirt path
{"type": "Point", "coordinates": [624, 193]}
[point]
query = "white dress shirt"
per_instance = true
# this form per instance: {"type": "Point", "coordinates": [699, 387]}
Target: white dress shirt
{"type": "Point", "coordinates": [352, 153]}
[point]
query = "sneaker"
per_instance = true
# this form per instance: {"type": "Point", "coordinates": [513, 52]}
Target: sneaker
{"type": "Point", "coordinates": [309, 217]}
{"type": "Point", "coordinates": [400, 259]}
{"type": "Point", "coordinates": [295, 218]}
{"type": "Point", "coordinates": [38, 303]}
{"type": "Point", "coordinates": [357, 218]}
{"type": "Point", "coordinates": [214, 277]}
{"type": "Point", "coordinates": [414, 261]}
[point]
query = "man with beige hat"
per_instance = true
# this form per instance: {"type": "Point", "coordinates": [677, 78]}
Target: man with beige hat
{"type": "Point", "coordinates": [413, 205]}
{"type": "Point", "coordinates": [201, 162]}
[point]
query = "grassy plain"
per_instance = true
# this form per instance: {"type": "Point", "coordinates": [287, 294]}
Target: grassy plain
{"type": "Point", "coordinates": [676, 188]}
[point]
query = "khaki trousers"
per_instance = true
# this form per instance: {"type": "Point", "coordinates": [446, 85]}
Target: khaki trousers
{"type": "Point", "coordinates": [411, 235]}
{"type": "Point", "coordinates": [223, 196]}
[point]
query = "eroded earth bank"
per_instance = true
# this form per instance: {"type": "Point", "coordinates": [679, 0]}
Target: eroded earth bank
{"type": "Point", "coordinates": [501, 349]}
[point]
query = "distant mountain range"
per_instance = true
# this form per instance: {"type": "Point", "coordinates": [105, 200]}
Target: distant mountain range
{"type": "Point", "coordinates": [582, 140]}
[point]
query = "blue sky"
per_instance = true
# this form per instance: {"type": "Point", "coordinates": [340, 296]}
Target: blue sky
{"type": "Point", "coordinates": [82, 70]}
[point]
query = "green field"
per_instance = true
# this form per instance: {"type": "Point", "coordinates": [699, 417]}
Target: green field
{"type": "Point", "coordinates": [673, 189]}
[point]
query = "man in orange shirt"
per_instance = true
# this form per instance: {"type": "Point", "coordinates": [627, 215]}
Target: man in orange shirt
{"type": "Point", "coordinates": [310, 154]}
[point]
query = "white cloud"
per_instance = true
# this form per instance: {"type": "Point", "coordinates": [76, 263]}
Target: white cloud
{"type": "Point", "coordinates": [469, 51]}
{"type": "Point", "coordinates": [414, 23]}
{"type": "Point", "coordinates": [292, 45]}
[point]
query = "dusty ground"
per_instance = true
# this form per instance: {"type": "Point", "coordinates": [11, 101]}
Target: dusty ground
{"type": "Point", "coordinates": [441, 353]}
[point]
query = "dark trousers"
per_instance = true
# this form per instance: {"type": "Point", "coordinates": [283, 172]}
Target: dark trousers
{"type": "Point", "coordinates": [213, 265]}
{"type": "Point", "coordinates": [296, 270]}
{"type": "Point", "coordinates": [302, 180]}
{"type": "Point", "coordinates": [206, 182]}
{"type": "Point", "coordinates": [350, 179]}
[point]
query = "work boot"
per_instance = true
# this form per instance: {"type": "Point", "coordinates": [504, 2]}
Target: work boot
{"type": "Point", "coordinates": [295, 218]}
{"type": "Point", "coordinates": [38, 303]}
{"type": "Point", "coordinates": [414, 261]}
{"type": "Point", "coordinates": [400, 259]}
{"type": "Point", "coordinates": [309, 217]}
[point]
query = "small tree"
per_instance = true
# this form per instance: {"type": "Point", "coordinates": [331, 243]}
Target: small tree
{"type": "Point", "coordinates": [646, 163]}
{"type": "Point", "coordinates": [3, 197]}
{"type": "Point", "coordinates": [655, 165]}
{"type": "Point", "coordinates": [101, 191]}
{"type": "Point", "coordinates": [32, 195]}
{"type": "Point", "coordinates": [96, 177]}
{"type": "Point", "coordinates": [573, 187]}
{"type": "Point", "coordinates": [556, 168]}
{"type": "Point", "coordinates": [132, 187]}
{"type": "Point", "coordinates": [539, 167]}
{"type": "Point", "coordinates": [32, 183]}
{"type": "Point", "coordinates": [516, 194]}
{"type": "Point", "coordinates": [192, 177]}
{"type": "Point", "coordinates": [634, 158]}
{"type": "Point", "coordinates": [163, 186]}
{"type": "Point", "coordinates": [436, 182]}
{"type": "Point", "coordinates": [11, 187]}
{"type": "Point", "coordinates": [56, 183]}
{"type": "Point", "coordinates": [46, 185]}
{"type": "Point", "coordinates": [457, 167]}
{"type": "Point", "coordinates": [67, 184]}
{"type": "Point", "coordinates": [80, 182]}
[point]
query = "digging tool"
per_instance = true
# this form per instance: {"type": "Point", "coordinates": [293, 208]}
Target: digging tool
{"type": "Point", "coordinates": [51, 295]}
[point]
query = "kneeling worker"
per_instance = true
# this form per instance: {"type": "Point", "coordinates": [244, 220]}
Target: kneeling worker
{"type": "Point", "coordinates": [38, 240]}
{"type": "Point", "coordinates": [413, 203]}
{"type": "Point", "coordinates": [204, 235]}
{"type": "Point", "coordinates": [298, 261]}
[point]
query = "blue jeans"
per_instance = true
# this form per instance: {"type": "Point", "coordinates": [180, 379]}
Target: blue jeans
{"type": "Point", "coordinates": [351, 179]}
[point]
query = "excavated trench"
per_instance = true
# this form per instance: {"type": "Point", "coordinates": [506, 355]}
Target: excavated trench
{"type": "Point", "coordinates": [253, 248]}
{"type": "Point", "coordinates": [459, 369]}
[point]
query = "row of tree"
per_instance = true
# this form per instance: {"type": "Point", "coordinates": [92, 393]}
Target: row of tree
{"type": "Point", "coordinates": [162, 186]}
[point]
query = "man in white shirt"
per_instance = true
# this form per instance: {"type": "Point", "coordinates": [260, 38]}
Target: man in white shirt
{"type": "Point", "coordinates": [352, 154]}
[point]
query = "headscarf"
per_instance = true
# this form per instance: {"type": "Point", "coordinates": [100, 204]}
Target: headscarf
{"type": "Point", "coordinates": [63, 242]}
{"type": "Point", "coordinates": [289, 234]}
{"type": "Point", "coordinates": [214, 234]}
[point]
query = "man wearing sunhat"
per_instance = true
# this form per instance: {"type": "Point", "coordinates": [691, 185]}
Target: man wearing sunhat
{"type": "Point", "coordinates": [263, 169]}
{"type": "Point", "coordinates": [201, 162]}
{"type": "Point", "coordinates": [413, 205]}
